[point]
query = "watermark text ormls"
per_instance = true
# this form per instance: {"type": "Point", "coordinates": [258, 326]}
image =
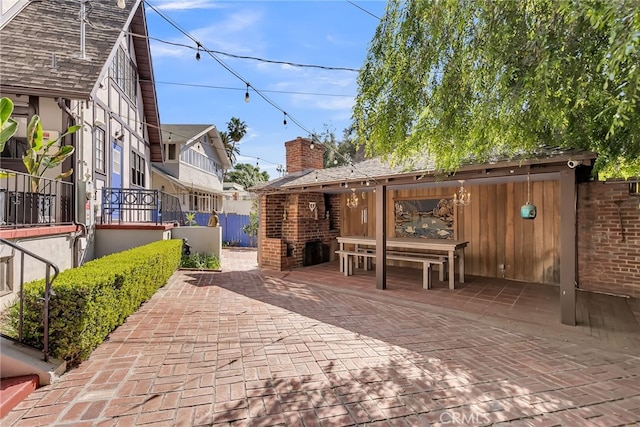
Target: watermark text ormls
{"type": "Point", "coordinates": [464, 418]}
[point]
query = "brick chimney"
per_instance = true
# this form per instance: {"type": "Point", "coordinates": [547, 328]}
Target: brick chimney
{"type": "Point", "coordinates": [300, 155]}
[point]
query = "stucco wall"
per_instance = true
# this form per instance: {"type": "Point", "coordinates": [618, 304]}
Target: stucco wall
{"type": "Point", "coordinates": [57, 249]}
{"type": "Point", "coordinates": [206, 240]}
{"type": "Point", "coordinates": [112, 240]}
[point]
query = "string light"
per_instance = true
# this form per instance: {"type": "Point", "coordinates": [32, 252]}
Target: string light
{"type": "Point", "coordinates": [169, 136]}
{"type": "Point", "coordinates": [316, 176]}
{"type": "Point", "coordinates": [198, 53]}
{"type": "Point", "coordinates": [237, 75]}
{"type": "Point", "coordinates": [285, 118]}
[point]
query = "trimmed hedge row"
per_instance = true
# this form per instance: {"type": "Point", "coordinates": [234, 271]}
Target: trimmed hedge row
{"type": "Point", "coordinates": [92, 300]}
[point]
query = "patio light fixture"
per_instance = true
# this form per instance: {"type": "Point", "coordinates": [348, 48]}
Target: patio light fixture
{"type": "Point", "coordinates": [462, 197]}
{"type": "Point", "coordinates": [352, 200]}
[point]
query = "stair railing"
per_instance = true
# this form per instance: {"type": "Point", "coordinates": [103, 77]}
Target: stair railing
{"type": "Point", "coordinates": [47, 293]}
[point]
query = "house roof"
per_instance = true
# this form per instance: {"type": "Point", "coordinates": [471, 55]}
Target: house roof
{"type": "Point", "coordinates": [41, 53]}
{"type": "Point", "coordinates": [182, 184]}
{"type": "Point", "coordinates": [185, 133]}
{"type": "Point", "coordinates": [372, 171]}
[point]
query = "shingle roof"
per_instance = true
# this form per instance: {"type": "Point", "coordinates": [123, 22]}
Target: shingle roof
{"type": "Point", "coordinates": [41, 47]}
{"type": "Point", "coordinates": [377, 168]}
{"type": "Point", "coordinates": [40, 52]}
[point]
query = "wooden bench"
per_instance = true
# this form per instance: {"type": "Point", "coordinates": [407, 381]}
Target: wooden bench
{"type": "Point", "coordinates": [367, 254]}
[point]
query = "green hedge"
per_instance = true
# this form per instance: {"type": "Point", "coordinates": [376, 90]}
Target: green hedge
{"type": "Point", "coordinates": [92, 300]}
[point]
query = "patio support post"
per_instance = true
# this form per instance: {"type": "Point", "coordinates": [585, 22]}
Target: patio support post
{"type": "Point", "coordinates": [381, 236]}
{"type": "Point", "coordinates": [568, 247]}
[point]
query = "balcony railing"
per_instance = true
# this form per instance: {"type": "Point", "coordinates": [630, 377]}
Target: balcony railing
{"type": "Point", "coordinates": [21, 207]}
{"type": "Point", "coordinates": [132, 205]}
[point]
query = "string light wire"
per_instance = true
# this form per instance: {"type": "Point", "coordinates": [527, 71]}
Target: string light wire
{"type": "Point", "coordinates": [212, 54]}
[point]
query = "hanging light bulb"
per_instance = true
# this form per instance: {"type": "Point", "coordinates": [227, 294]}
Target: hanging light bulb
{"type": "Point", "coordinates": [169, 136]}
{"type": "Point", "coordinates": [246, 94]}
{"type": "Point", "coordinates": [316, 176]}
{"type": "Point", "coordinates": [121, 4]}
{"type": "Point", "coordinates": [312, 146]}
{"type": "Point", "coordinates": [335, 161]}
{"type": "Point", "coordinates": [198, 53]}
{"type": "Point", "coordinates": [285, 118]}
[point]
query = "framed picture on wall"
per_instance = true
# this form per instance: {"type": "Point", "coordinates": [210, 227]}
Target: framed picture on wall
{"type": "Point", "coordinates": [424, 218]}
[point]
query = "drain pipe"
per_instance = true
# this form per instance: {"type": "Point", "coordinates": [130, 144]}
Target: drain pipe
{"type": "Point", "coordinates": [74, 158]}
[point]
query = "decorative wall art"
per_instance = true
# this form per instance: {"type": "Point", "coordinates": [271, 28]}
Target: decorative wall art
{"type": "Point", "coordinates": [424, 218]}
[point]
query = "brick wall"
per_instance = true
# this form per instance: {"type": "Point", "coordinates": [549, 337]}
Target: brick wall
{"type": "Point", "coordinates": [300, 155]}
{"type": "Point", "coordinates": [608, 254]}
{"type": "Point", "coordinates": [283, 237]}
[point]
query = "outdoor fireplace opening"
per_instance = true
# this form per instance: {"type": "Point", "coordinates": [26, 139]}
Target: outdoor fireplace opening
{"type": "Point", "coordinates": [315, 253]}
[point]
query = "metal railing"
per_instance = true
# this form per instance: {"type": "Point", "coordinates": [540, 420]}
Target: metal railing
{"type": "Point", "coordinates": [21, 206]}
{"type": "Point", "coordinates": [46, 298]}
{"type": "Point", "coordinates": [133, 205]}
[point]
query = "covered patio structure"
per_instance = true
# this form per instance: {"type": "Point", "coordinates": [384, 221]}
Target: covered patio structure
{"type": "Point", "coordinates": [303, 213]}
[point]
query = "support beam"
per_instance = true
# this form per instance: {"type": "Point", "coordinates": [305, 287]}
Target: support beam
{"type": "Point", "coordinates": [381, 236]}
{"type": "Point", "coordinates": [568, 247]}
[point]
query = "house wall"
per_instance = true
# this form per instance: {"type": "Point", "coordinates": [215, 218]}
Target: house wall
{"type": "Point", "coordinates": [527, 249]}
{"type": "Point", "coordinates": [112, 240]}
{"type": "Point", "coordinates": [608, 239]}
{"type": "Point", "coordinates": [55, 248]}
{"type": "Point", "coordinates": [204, 240]}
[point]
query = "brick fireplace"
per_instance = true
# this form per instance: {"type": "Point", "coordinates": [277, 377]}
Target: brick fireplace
{"type": "Point", "coordinates": [295, 229]}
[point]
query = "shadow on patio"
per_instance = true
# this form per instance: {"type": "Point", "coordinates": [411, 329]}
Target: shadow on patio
{"type": "Point", "coordinates": [607, 321]}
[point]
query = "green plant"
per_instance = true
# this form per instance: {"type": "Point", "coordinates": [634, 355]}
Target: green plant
{"type": "Point", "coordinates": [37, 159]}
{"type": "Point", "coordinates": [251, 229]}
{"type": "Point", "coordinates": [200, 261]}
{"type": "Point", "coordinates": [8, 126]}
{"type": "Point", "coordinates": [90, 301]}
{"type": "Point", "coordinates": [191, 218]}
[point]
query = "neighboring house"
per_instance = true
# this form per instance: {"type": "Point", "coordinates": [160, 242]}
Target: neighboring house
{"type": "Point", "coordinates": [194, 163]}
{"type": "Point", "coordinates": [236, 199]}
{"type": "Point", "coordinates": [585, 234]}
{"type": "Point", "coordinates": [97, 74]}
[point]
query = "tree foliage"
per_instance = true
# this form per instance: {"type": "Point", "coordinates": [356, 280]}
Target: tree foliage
{"type": "Point", "coordinates": [247, 175]}
{"type": "Point", "coordinates": [470, 79]}
{"type": "Point", "coordinates": [337, 152]}
{"type": "Point", "coordinates": [236, 130]}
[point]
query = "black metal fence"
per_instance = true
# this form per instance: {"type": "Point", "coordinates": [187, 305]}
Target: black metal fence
{"type": "Point", "coordinates": [132, 205]}
{"type": "Point", "coordinates": [26, 202]}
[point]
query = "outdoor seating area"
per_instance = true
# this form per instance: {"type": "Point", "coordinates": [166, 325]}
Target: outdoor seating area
{"type": "Point", "coordinates": [428, 252]}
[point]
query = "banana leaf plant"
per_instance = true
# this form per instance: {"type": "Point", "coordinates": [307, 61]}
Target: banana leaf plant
{"type": "Point", "coordinates": [8, 126]}
{"type": "Point", "coordinates": [38, 158]}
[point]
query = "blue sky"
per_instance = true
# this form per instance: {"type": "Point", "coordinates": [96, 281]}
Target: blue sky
{"type": "Point", "coordinates": [328, 33]}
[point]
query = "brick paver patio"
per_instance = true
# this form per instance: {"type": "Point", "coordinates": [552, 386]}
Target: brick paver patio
{"type": "Point", "coordinates": [249, 348]}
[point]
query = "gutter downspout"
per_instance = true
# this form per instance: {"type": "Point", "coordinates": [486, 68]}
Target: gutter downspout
{"type": "Point", "coordinates": [74, 159]}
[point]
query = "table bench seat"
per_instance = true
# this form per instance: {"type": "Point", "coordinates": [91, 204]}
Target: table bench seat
{"type": "Point", "coordinates": [425, 259]}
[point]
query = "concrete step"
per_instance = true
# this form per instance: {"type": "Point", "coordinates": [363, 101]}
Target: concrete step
{"type": "Point", "coordinates": [18, 359]}
{"type": "Point", "coordinates": [14, 390]}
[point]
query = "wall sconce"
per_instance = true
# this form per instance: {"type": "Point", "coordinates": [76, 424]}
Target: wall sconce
{"type": "Point", "coordinates": [314, 208]}
{"type": "Point", "coordinates": [462, 197]}
{"type": "Point", "coordinates": [352, 200]}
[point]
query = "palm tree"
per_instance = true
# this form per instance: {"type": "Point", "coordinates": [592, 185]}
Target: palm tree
{"type": "Point", "coordinates": [229, 146]}
{"type": "Point", "coordinates": [237, 129]}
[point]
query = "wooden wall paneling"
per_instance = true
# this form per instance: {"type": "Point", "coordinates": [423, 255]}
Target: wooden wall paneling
{"type": "Point", "coordinates": [523, 241]}
{"type": "Point", "coordinates": [501, 227]}
{"type": "Point", "coordinates": [472, 212]}
{"type": "Point", "coordinates": [492, 241]}
{"type": "Point", "coordinates": [539, 245]}
{"type": "Point", "coordinates": [510, 233]}
{"type": "Point", "coordinates": [556, 231]}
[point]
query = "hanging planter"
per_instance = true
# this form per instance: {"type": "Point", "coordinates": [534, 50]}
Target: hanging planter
{"type": "Point", "coordinates": [528, 210]}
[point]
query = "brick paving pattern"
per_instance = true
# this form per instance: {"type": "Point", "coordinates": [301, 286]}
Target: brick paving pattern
{"type": "Point", "coordinates": [249, 348]}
